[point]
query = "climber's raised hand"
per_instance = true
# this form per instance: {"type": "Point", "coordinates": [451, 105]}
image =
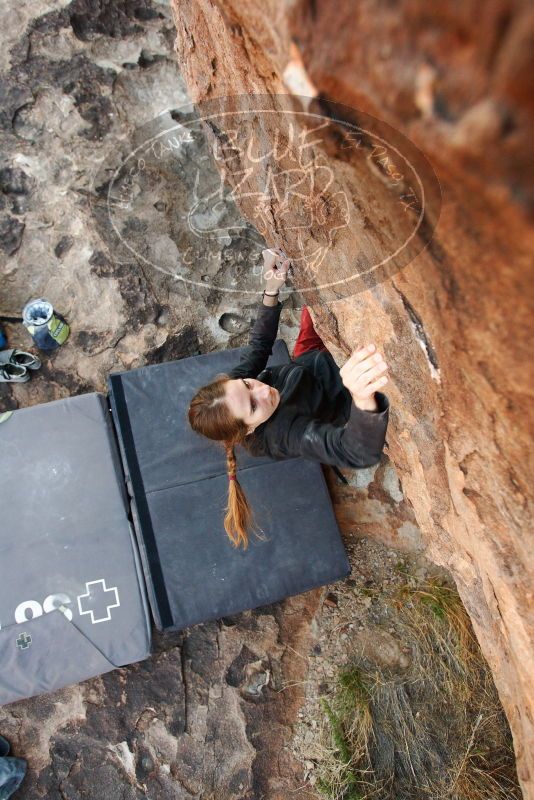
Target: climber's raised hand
{"type": "Point", "coordinates": [363, 375]}
{"type": "Point", "coordinates": [275, 267]}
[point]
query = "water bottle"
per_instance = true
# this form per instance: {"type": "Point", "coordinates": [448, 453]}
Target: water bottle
{"type": "Point", "coordinates": [48, 328]}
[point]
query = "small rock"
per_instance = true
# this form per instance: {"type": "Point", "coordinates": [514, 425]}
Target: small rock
{"type": "Point", "coordinates": [63, 246]}
{"type": "Point", "coordinates": [11, 231]}
{"type": "Point", "coordinates": [19, 205]}
{"type": "Point", "coordinates": [330, 600]}
{"type": "Point", "coordinates": [14, 181]}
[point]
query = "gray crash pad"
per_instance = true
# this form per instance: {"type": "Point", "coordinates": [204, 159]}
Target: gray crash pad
{"type": "Point", "coordinates": [72, 598]}
{"type": "Point", "coordinates": [178, 486]}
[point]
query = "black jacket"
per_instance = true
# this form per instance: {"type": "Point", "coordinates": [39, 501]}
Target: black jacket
{"type": "Point", "coordinates": [316, 418]}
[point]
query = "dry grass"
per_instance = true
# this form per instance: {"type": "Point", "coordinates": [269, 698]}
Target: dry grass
{"type": "Point", "coordinates": [349, 724]}
{"type": "Point", "coordinates": [436, 731]}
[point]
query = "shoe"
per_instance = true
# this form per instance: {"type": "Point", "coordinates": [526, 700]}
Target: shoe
{"type": "Point", "coordinates": [19, 357]}
{"type": "Point", "coordinates": [12, 772]}
{"type": "Point", "coordinates": [12, 373]}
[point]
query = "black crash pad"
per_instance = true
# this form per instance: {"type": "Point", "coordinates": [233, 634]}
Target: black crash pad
{"type": "Point", "coordinates": [178, 486]}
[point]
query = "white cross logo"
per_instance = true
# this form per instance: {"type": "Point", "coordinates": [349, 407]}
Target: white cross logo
{"type": "Point", "coordinates": [94, 596]}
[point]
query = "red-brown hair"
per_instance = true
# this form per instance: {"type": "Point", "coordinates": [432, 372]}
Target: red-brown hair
{"type": "Point", "coordinates": [210, 416]}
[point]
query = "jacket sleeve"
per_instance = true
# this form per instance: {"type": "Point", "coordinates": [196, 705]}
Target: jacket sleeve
{"type": "Point", "coordinates": [358, 443]}
{"type": "Point", "coordinates": [261, 340]}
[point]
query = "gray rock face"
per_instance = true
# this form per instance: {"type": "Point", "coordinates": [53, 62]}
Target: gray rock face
{"type": "Point", "coordinates": [202, 718]}
{"type": "Point", "coordinates": [83, 85]}
{"type": "Point", "coordinates": [205, 716]}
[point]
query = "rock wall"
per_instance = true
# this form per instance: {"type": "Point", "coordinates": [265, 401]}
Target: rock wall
{"type": "Point", "coordinates": [454, 320]}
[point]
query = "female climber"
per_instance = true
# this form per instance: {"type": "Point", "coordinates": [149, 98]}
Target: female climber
{"type": "Point", "coordinates": [308, 407]}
